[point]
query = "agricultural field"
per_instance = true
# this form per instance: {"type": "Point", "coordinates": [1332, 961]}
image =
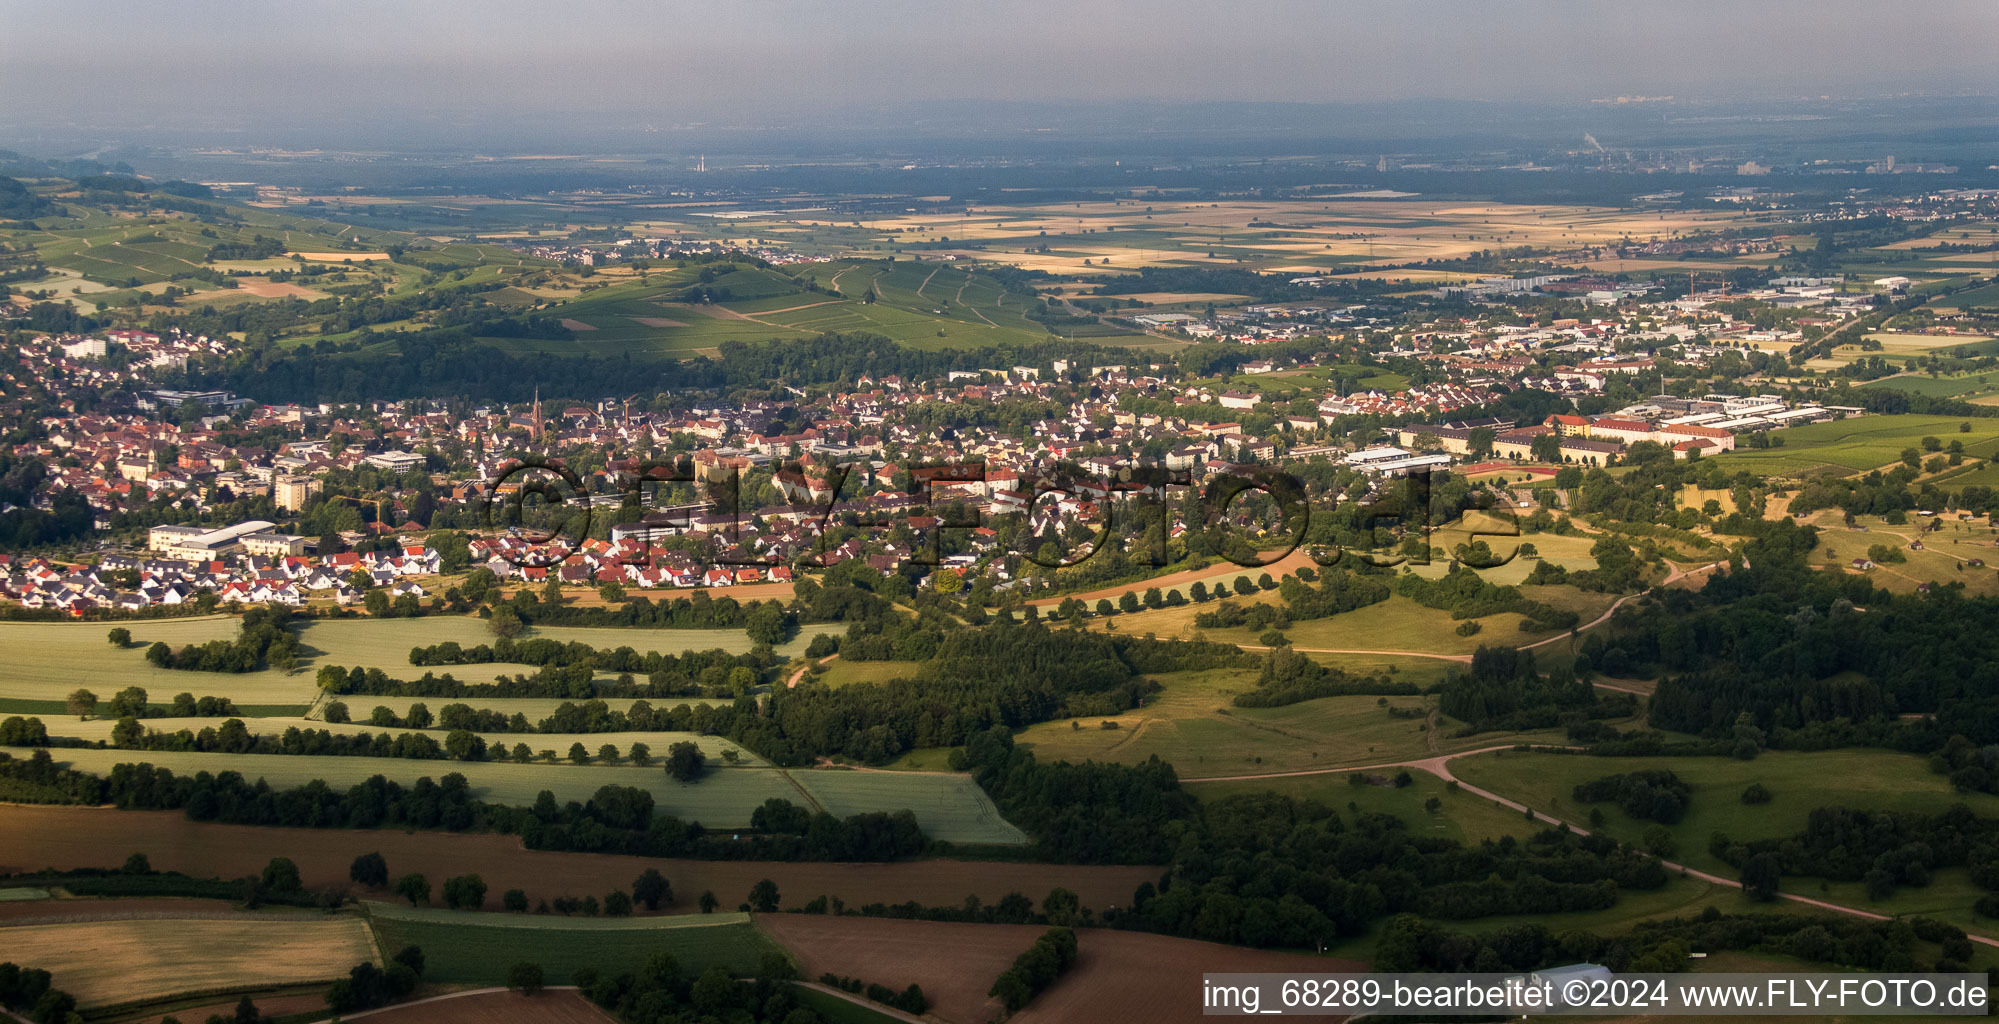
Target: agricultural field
{"type": "Point", "coordinates": [840, 1009]}
{"type": "Point", "coordinates": [476, 949]}
{"type": "Point", "coordinates": [1985, 297]}
{"type": "Point", "coordinates": [1192, 724]}
{"type": "Point", "coordinates": [116, 962]}
{"type": "Point", "coordinates": [1134, 975]}
{"type": "Point", "coordinates": [57, 657]}
{"type": "Point", "coordinates": [948, 807]}
{"type": "Point", "coordinates": [843, 672]}
{"type": "Point", "coordinates": [714, 747]}
{"type": "Point", "coordinates": [546, 1007]}
{"type": "Point", "coordinates": [921, 304]}
{"type": "Point", "coordinates": [1846, 447]}
{"type": "Point", "coordinates": [1967, 386]}
{"type": "Point", "coordinates": [1118, 975]}
{"type": "Point", "coordinates": [35, 837]}
{"type": "Point", "coordinates": [1341, 234]}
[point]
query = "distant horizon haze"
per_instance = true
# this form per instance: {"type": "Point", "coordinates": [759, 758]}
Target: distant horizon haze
{"type": "Point", "coordinates": [214, 64]}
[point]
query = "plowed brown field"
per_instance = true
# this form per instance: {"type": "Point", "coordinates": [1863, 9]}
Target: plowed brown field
{"type": "Point", "coordinates": [1118, 976]}
{"type": "Point", "coordinates": [32, 838]}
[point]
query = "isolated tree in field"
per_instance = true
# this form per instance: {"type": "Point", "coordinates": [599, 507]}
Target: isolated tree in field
{"type": "Point", "coordinates": [415, 889]}
{"type": "Point", "coordinates": [514, 901]}
{"type": "Point", "coordinates": [641, 755]}
{"type": "Point", "coordinates": [525, 978]}
{"type": "Point", "coordinates": [281, 876]}
{"type": "Point", "coordinates": [82, 703]}
{"type": "Point", "coordinates": [1761, 875]}
{"type": "Point", "coordinates": [607, 754]}
{"type": "Point", "coordinates": [1127, 602]}
{"type": "Point", "coordinates": [369, 869]}
{"type": "Point", "coordinates": [684, 761]}
{"type": "Point", "coordinates": [652, 889]}
{"type": "Point", "coordinates": [119, 637]}
{"type": "Point", "coordinates": [763, 897]}
{"type": "Point", "coordinates": [247, 1013]}
{"type": "Point", "coordinates": [466, 892]}
{"type": "Point", "coordinates": [579, 754]}
{"type": "Point", "coordinates": [617, 903]}
{"type": "Point", "coordinates": [709, 902]}
{"type": "Point", "coordinates": [336, 713]}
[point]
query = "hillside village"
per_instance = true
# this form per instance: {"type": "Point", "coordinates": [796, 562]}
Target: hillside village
{"type": "Point", "coordinates": [170, 470]}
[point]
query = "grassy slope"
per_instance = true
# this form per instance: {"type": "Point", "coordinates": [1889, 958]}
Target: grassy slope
{"type": "Point", "coordinates": [1872, 780]}
{"type": "Point", "coordinates": [1858, 445]}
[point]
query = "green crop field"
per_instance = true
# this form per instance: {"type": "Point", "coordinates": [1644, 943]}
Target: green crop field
{"type": "Point", "coordinates": [54, 658]}
{"type": "Point", "coordinates": [948, 807]}
{"type": "Point", "coordinates": [473, 948]}
{"type": "Point", "coordinates": [842, 672]}
{"type": "Point", "coordinates": [1985, 297]}
{"type": "Point", "coordinates": [835, 1010]}
{"type": "Point", "coordinates": [1857, 445]}
{"type": "Point", "coordinates": [925, 305]}
{"type": "Point", "coordinates": [99, 729]}
{"type": "Point", "coordinates": [1954, 386]}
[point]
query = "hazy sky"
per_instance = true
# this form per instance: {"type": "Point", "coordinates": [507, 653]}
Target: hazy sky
{"type": "Point", "coordinates": [97, 59]}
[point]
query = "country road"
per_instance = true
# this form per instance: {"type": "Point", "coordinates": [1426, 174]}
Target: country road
{"type": "Point", "coordinates": [1440, 766]}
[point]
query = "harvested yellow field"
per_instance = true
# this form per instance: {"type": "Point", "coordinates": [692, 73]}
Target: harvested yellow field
{"type": "Point", "coordinates": [1171, 298]}
{"type": "Point", "coordinates": [109, 962]}
{"type": "Point", "coordinates": [342, 257]}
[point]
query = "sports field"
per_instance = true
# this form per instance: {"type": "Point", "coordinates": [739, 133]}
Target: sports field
{"type": "Point", "coordinates": [477, 949]}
